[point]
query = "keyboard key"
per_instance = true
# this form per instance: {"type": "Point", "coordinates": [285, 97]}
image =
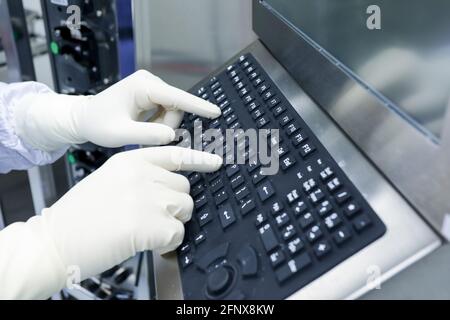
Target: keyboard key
{"type": "Point", "coordinates": [322, 249]}
{"type": "Point", "coordinates": [216, 185]}
{"type": "Point", "coordinates": [341, 236]}
{"type": "Point", "coordinates": [248, 99]}
{"type": "Point", "coordinates": [288, 232]}
{"type": "Point", "coordinates": [293, 267]}
{"type": "Point", "coordinates": [265, 191]}
{"type": "Point", "coordinates": [233, 73]}
{"type": "Point", "coordinates": [186, 260]}
{"type": "Point", "coordinates": [351, 209]}
{"type": "Point", "coordinates": [295, 246]}
{"type": "Point", "coordinates": [292, 196]}
{"type": "Point", "coordinates": [262, 122]}
{"type": "Point", "coordinates": [215, 86]}
{"type": "Point", "coordinates": [268, 237]}
{"type": "Point", "coordinates": [236, 80]}
{"type": "Point", "coordinates": [282, 150]}
{"type": "Point", "coordinates": [221, 197]}
{"type": "Point", "coordinates": [278, 110]}
{"type": "Point", "coordinates": [342, 197]}
{"type": "Point", "coordinates": [268, 95]}
{"type": "Point", "coordinates": [201, 201]}
{"type": "Point", "coordinates": [221, 98]}
{"type": "Point", "coordinates": [300, 207]}
{"type": "Point", "coordinates": [231, 119]}
{"type": "Point", "coordinates": [252, 106]}
{"type": "Point", "coordinates": [317, 196]}
{"type": "Point", "coordinates": [276, 207]}
{"type": "Point", "coordinates": [242, 193]}
{"type": "Point", "coordinates": [282, 220]}
{"type": "Point", "coordinates": [246, 64]}
{"type": "Point", "coordinates": [332, 221]}
{"type": "Point", "coordinates": [361, 223]}
{"type": "Point", "coordinates": [237, 181]}
{"type": "Point", "coordinates": [287, 163]}
{"type": "Point", "coordinates": [324, 208]}
{"type": "Point", "coordinates": [194, 178]}
{"type": "Point", "coordinates": [285, 120]}
{"type": "Point", "coordinates": [248, 260]}
{"type": "Point", "coordinates": [253, 165]}
{"type": "Point", "coordinates": [260, 219]}
{"type": "Point", "coordinates": [277, 258]}
{"type": "Point", "coordinates": [232, 170]}
{"type": "Point", "coordinates": [258, 176]}
{"type": "Point", "coordinates": [213, 255]}
{"type": "Point", "coordinates": [239, 86]}
{"type": "Point", "coordinates": [185, 247]}
{"type": "Point", "coordinates": [227, 216]}
{"type": "Point", "coordinates": [204, 218]}
{"type": "Point", "coordinates": [309, 186]}
{"type": "Point", "coordinates": [243, 92]}
{"type": "Point", "coordinates": [263, 88]}
{"type": "Point", "coordinates": [298, 139]}
{"type": "Point", "coordinates": [272, 103]}
{"type": "Point", "coordinates": [247, 207]}
{"type": "Point", "coordinates": [314, 234]}
{"type": "Point", "coordinates": [257, 81]}
{"type": "Point", "coordinates": [217, 92]}
{"type": "Point", "coordinates": [306, 220]}
{"type": "Point", "coordinates": [334, 185]}
{"type": "Point", "coordinates": [198, 239]}
{"type": "Point", "coordinates": [292, 129]}
{"type": "Point", "coordinates": [227, 112]}
{"type": "Point", "coordinates": [258, 113]}
{"type": "Point", "coordinates": [250, 70]}
{"type": "Point", "coordinates": [198, 189]}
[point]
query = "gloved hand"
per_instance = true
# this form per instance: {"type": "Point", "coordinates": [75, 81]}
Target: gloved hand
{"type": "Point", "coordinates": [133, 203]}
{"type": "Point", "coordinates": [110, 119]}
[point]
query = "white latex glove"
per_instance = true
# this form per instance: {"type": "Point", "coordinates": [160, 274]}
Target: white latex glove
{"type": "Point", "coordinates": [110, 119]}
{"type": "Point", "coordinates": [133, 203]}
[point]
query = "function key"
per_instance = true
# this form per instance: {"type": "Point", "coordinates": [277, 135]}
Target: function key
{"type": "Point", "coordinates": [282, 150]}
{"type": "Point", "coordinates": [322, 249]}
{"type": "Point", "coordinates": [307, 149]}
{"type": "Point", "coordinates": [246, 64]}
{"type": "Point", "coordinates": [253, 76]}
{"type": "Point", "coordinates": [351, 209]}
{"type": "Point", "coordinates": [248, 99]}
{"type": "Point", "coordinates": [272, 103]}
{"type": "Point", "coordinates": [231, 68]}
{"type": "Point", "coordinates": [227, 216]}
{"type": "Point", "coordinates": [263, 88]}
{"type": "Point", "coordinates": [278, 111]}
{"type": "Point", "coordinates": [236, 80]}
{"type": "Point", "coordinates": [233, 74]}
{"type": "Point", "coordinates": [268, 95]}
{"type": "Point", "coordinates": [239, 86]}
{"type": "Point", "coordinates": [242, 59]}
{"type": "Point", "coordinates": [361, 223]}
{"type": "Point", "coordinates": [292, 129]}
{"type": "Point", "coordinates": [262, 122]}
{"type": "Point", "coordinates": [250, 70]}
{"type": "Point", "coordinates": [244, 92]}
{"type": "Point", "coordinates": [285, 120]}
{"type": "Point", "coordinates": [298, 139]}
{"type": "Point", "coordinates": [341, 236]}
{"type": "Point", "coordinates": [252, 106]}
{"type": "Point", "coordinates": [257, 81]}
{"type": "Point", "coordinates": [258, 113]}
{"type": "Point", "coordinates": [293, 267]}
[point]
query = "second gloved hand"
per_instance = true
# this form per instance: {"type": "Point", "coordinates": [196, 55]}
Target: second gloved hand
{"type": "Point", "coordinates": [51, 121]}
{"type": "Point", "coordinates": [133, 203]}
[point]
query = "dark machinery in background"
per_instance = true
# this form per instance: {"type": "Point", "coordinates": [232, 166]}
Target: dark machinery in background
{"type": "Point", "coordinates": [84, 54]}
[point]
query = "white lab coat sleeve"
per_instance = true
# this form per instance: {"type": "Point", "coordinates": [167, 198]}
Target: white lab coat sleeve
{"type": "Point", "coordinates": [30, 267]}
{"type": "Point", "coordinates": [15, 154]}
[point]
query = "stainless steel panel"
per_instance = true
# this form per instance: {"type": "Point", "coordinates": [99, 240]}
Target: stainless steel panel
{"type": "Point", "coordinates": [408, 237]}
{"type": "Point", "coordinates": [183, 41]}
{"type": "Point", "coordinates": [415, 165]}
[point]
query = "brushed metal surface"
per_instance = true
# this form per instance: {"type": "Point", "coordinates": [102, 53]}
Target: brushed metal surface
{"type": "Point", "coordinates": [413, 163]}
{"type": "Point", "coordinates": [408, 237]}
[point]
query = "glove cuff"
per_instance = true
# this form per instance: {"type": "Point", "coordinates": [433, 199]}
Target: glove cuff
{"type": "Point", "coordinates": [48, 121]}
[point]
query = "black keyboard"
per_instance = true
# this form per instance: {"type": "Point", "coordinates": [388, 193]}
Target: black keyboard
{"type": "Point", "coordinates": [265, 237]}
